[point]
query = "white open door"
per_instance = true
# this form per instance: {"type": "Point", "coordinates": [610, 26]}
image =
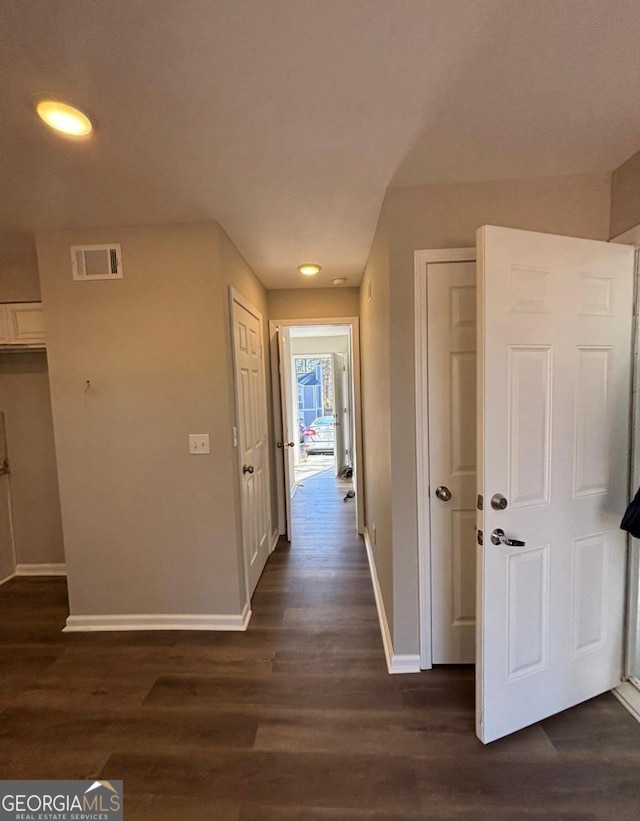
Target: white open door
{"type": "Point", "coordinates": [554, 344]}
{"type": "Point", "coordinates": [290, 432]}
{"type": "Point", "coordinates": [340, 411]}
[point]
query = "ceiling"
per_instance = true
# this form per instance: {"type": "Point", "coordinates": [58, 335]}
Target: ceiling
{"type": "Point", "coordinates": [286, 120]}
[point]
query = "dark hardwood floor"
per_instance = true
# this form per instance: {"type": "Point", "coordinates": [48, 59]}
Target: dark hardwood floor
{"type": "Point", "coordinates": [296, 719]}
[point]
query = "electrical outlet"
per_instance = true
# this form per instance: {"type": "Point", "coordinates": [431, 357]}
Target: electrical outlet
{"type": "Point", "coordinates": [199, 443]}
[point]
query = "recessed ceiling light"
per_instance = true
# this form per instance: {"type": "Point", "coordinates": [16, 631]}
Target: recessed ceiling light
{"type": "Point", "coordinates": [309, 269]}
{"type": "Point", "coordinates": [64, 118]}
{"type": "Point", "coordinates": [338, 280]}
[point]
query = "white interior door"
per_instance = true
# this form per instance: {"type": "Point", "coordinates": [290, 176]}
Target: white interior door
{"type": "Point", "coordinates": [340, 411]}
{"type": "Point", "coordinates": [451, 300]}
{"type": "Point", "coordinates": [290, 432]}
{"type": "Point", "coordinates": [252, 439]}
{"type": "Point", "coordinates": [7, 547]}
{"type": "Point", "coordinates": [554, 342]}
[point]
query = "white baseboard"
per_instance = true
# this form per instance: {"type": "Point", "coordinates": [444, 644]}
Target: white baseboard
{"type": "Point", "coordinates": [629, 696]}
{"type": "Point", "coordinates": [7, 578]}
{"type": "Point", "coordinates": [409, 663]}
{"type": "Point", "coordinates": [395, 663]}
{"type": "Point", "coordinates": [160, 621]}
{"type": "Point", "coordinates": [41, 570]}
{"type": "Point", "coordinates": [275, 538]}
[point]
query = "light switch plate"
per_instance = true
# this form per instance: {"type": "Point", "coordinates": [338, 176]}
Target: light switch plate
{"type": "Point", "coordinates": [199, 443]}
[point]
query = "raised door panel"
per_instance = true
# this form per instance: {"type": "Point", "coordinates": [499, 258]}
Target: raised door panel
{"type": "Point", "coordinates": [589, 593]}
{"type": "Point", "coordinates": [528, 611]}
{"type": "Point", "coordinates": [529, 425]}
{"type": "Point", "coordinates": [25, 323]}
{"type": "Point", "coordinates": [593, 427]}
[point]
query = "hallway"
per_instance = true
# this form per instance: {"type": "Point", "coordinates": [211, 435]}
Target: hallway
{"type": "Point", "coordinates": [294, 720]}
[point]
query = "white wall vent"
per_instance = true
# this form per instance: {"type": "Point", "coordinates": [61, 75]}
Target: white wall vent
{"type": "Point", "coordinates": [96, 261]}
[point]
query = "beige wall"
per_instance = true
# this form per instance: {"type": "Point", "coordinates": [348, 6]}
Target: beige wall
{"type": "Point", "coordinates": [35, 503]}
{"type": "Point", "coordinates": [148, 528]}
{"type": "Point", "coordinates": [19, 281]}
{"type": "Point", "coordinates": [447, 216]}
{"type": "Point", "coordinates": [625, 196]}
{"type": "Point", "coordinates": [376, 411]}
{"type": "Point", "coordinates": [313, 303]}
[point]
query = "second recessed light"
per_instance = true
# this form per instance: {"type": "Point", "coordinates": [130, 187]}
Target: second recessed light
{"type": "Point", "coordinates": [309, 269]}
{"type": "Point", "coordinates": [64, 118]}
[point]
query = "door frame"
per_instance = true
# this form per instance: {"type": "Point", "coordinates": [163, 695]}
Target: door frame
{"type": "Point", "coordinates": [237, 297]}
{"type": "Point", "coordinates": [354, 323]}
{"type": "Point", "coordinates": [421, 260]}
{"type": "Point", "coordinates": [628, 693]}
{"type": "Point", "coordinates": [330, 356]}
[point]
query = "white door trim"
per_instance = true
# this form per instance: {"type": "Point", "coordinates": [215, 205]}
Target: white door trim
{"type": "Point", "coordinates": [628, 693]}
{"type": "Point", "coordinates": [354, 323]}
{"type": "Point", "coordinates": [236, 296]}
{"type": "Point", "coordinates": [421, 260]}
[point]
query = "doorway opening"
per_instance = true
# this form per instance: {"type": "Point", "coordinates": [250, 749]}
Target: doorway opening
{"type": "Point", "coordinates": [31, 540]}
{"type": "Point", "coordinates": [315, 367]}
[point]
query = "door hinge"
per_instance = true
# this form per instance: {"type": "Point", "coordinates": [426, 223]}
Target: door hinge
{"type": "Point", "coordinates": [480, 501]}
{"type": "Point", "coordinates": [480, 537]}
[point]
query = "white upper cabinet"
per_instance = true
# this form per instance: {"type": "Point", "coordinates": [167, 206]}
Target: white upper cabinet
{"type": "Point", "coordinates": [22, 323]}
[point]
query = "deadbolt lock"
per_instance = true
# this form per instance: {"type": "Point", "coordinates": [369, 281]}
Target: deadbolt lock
{"type": "Point", "coordinates": [498, 501]}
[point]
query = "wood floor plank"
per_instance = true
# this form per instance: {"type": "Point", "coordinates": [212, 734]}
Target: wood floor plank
{"type": "Point", "coordinates": [555, 786]}
{"type": "Point", "coordinates": [281, 778]}
{"type": "Point", "coordinates": [134, 662]}
{"type": "Point", "coordinates": [147, 730]}
{"type": "Point", "coordinates": [389, 734]}
{"type": "Point", "coordinates": [255, 812]}
{"type": "Point", "coordinates": [168, 807]}
{"type": "Point", "coordinates": [323, 692]}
